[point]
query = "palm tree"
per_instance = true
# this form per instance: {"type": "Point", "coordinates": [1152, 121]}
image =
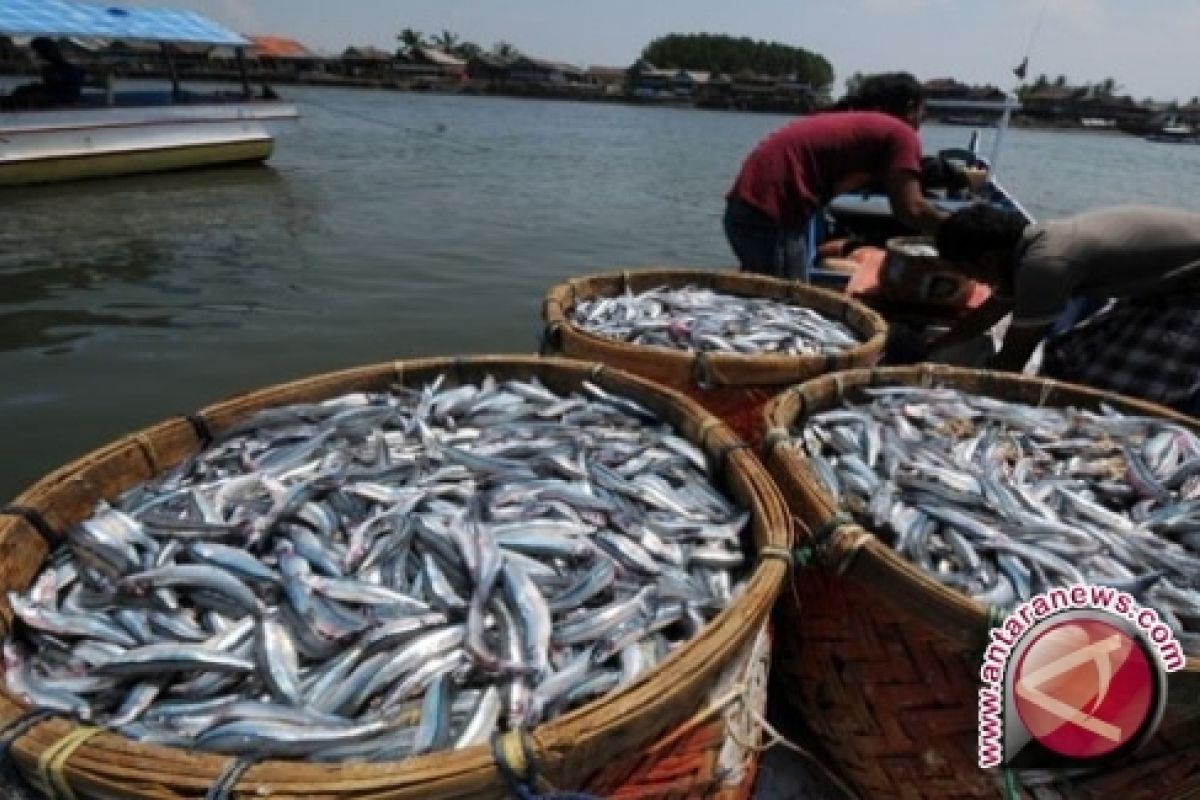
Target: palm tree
{"type": "Point", "coordinates": [468, 50]}
{"type": "Point", "coordinates": [445, 41]}
{"type": "Point", "coordinates": [411, 40]}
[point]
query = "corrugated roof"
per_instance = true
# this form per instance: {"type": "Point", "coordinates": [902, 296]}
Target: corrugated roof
{"type": "Point", "coordinates": [277, 47]}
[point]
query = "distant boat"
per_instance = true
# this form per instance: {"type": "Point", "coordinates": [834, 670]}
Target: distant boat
{"type": "Point", "coordinates": [107, 133]}
{"type": "Point", "coordinates": [1175, 133]}
{"type": "Point", "coordinates": [1097, 122]}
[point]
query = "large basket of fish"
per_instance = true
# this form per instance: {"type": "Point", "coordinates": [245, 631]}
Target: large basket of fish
{"type": "Point", "coordinates": [729, 340]}
{"type": "Point", "coordinates": [439, 578]}
{"type": "Point", "coordinates": [961, 528]}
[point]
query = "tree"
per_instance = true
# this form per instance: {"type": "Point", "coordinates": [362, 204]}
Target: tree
{"type": "Point", "coordinates": [1060, 82]}
{"type": "Point", "coordinates": [506, 50]}
{"type": "Point", "coordinates": [732, 56]}
{"type": "Point", "coordinates": [468, 50]}
{"type": "Point", "coordinates": [854, 83]}
{"type": "Point", "coordinates": [445, 41]}
{"type": "Point", "coordinates": [410, 40]}
{"type": "Point", "coordinates": [1108, 86]}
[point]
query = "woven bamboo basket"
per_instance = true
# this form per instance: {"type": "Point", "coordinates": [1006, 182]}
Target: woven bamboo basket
{"type": "Point", "coordinates": [713, 755]}
{"type": "Point", "coordinates": [735, 387]}
{"type": "Point", "coordinates": [57, 756]}
{"type": "Point", "coordinates": [883, 662]}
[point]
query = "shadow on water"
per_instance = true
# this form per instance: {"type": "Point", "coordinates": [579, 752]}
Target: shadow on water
{"type": "Point", "coordinates": [25, 330]}
{"type": "Point", "coordinates": [237, 176]}
{"type": "Point", "coordinates": [37, 280]}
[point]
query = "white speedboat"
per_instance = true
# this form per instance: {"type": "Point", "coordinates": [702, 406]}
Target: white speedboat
{"type": "Point", "coordinates": [106, 132]}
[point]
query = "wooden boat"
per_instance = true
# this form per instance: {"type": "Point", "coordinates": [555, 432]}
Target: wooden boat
{"type": "Point", "coordinates": [107, 132]}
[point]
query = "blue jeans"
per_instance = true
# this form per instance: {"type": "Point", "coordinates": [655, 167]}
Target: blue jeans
{"type": "Point", "coordinates": [762, 246]}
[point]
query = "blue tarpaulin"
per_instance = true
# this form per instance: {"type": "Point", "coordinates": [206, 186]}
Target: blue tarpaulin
{"type": "Point", "coordinates": [68, 18]}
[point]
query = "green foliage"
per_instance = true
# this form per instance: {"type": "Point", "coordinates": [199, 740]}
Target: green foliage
{"type": "Point", "coordinates": [730, 56]}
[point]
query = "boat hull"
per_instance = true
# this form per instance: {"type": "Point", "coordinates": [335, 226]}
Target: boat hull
{"type": "Point", "coordinates": [76, 144]}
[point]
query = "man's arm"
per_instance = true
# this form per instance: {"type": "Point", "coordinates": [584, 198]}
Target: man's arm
{"type": "Point", "coordinates": [909, 203]}
{"type": "Point", "coordinates": [1019, 344]}
{"type": "Point", "coordinates": [976, 323]}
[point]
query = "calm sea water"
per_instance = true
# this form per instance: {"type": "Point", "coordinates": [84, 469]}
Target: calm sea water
{"type": "Point", "coordinates": [388, 226]}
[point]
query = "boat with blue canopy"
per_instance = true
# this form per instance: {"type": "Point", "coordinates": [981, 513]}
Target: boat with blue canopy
{"type": "Point", "coordinates": [91, 129]}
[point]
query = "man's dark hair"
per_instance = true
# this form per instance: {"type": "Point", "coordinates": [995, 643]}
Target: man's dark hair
{"type": "Point", "coordinates": [979, 229]}
{"type": "Point", "coordinates": [45, 47]}
{"type": "Point", "coordinates": [892, 93]}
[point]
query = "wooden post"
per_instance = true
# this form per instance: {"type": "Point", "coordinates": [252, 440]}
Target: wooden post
{"type": "Point", "coordinates": [176, 90]}
{"type": "Point", "coordinates": [241, 60]}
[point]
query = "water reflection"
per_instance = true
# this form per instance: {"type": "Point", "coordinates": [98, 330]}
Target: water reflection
{"type": "Point", "coordinates": [25, 330]}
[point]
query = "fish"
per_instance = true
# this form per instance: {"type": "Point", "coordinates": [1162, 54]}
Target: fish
{"type": "Point", "coordinates": [1003, 500]}
{"type": "Point", "coordinates": [385, 574]}
{"type": "Point", "coordinates": [695, 319]}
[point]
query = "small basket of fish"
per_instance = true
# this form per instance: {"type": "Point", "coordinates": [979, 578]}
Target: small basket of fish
{"type": "Point", "coordinates": [944, 514]}
{"type": "Point", "coordinates": [438, 578]}
{"type": "Point", "coordinates": [727, 339]}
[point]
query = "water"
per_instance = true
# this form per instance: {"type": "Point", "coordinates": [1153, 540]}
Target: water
{"type": "Point", "coordinates": [389, 226]}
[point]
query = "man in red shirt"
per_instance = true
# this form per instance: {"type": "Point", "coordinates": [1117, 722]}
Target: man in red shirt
{"type": "Point", "coordinates": [800, 168]}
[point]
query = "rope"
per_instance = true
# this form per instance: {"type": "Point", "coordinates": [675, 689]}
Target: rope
{"type": "Point", "coordinates": [737, 694]}
{"type": "Point", "coordinates": [234, 770]}
{"type": "Point", "coordinates": [514, 757]}
{"type": "Point", "coordinates": [53, 761]}
{"type": "Point", "coordinates": [202, 428]}
{"type": "Point", "coordinates": [36, 521]}
{"type": "Point", "coordinates": [398, 373]}
{"type": "Point", "coordinates": [18, 727]}
{"type": "Point", "coordinates": [709, 425]}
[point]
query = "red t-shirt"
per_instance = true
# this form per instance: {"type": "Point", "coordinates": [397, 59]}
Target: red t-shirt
{"type": "Point", "coordinates": [807, 163]}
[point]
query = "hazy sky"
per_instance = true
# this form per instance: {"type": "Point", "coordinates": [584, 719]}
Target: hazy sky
{"type": "Point", "coordinates": [1148, 46]}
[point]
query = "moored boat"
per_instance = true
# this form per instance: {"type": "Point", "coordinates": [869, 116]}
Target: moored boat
{"type": "Point", "coordinates": [106, 132]}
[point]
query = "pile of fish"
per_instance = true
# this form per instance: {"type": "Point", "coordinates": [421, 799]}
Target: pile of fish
{"type": "Point", "coordinates": [1004, 500]}
{"type": "Point", "coordinates": [701, 320]}
{"type": "Point", "coordinates": [382, 575]}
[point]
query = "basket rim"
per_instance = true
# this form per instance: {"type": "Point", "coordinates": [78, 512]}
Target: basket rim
{"type": "Point", "coordinates": [875, 325]}
{"type": "Point", "coordinates": [724, 635]}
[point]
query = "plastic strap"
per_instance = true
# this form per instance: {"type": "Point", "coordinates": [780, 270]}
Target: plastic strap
{"type": "Point", "coordinates": [551, 339]}
{"type": "Point", "coordinates": [775, 551]}
{"type": "Point", "coordinates": [35, 519]}
{"type": "Point", "coordinates": [702, 372]}
{"type": "Point", "coordinates": [1011, 785]}
{"type": "Point", "coordinates": [53, 761]}
{"type": "Point", "coordinates": [398, 372]}
{"type": "Point", "coordinates": [202, 428]}
{"type": "Point", "coordinates": [18, 727]}
{"type": "Point", "coordinates": [234, 770]}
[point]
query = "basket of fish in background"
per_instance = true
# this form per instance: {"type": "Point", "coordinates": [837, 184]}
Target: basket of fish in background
{"type": "Point", "coordinates": [424, 579]}
{"type": "Point", "coordinates": [933, 500]}
{"type": "Point", "coordinates": [729, 340]}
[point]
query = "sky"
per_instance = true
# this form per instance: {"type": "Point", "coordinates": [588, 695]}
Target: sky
{"type": "Point", "coordinates": [1147, 46]}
